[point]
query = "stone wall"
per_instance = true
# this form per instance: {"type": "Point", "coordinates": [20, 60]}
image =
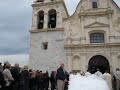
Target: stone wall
{"type": "Point", "coordinates": [51, 58]}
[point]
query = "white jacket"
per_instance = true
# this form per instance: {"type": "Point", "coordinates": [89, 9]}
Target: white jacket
{"type": "Point", "coordinates": [7, 76]}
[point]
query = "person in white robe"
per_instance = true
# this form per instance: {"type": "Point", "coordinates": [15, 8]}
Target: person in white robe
{"type": "Point", "coordinates": [87, 73]}
{"type": "Point", "coordinates": [108, 78]}
{"type": "Point", "coordinates": [99, 74]}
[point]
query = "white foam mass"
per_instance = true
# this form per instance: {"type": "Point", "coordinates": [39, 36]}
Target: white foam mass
{"type": "Point", "coordinates": [78, 82]}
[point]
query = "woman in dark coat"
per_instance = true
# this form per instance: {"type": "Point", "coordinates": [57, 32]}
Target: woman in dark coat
{"type": "Point", "coordinates": [33, 81]}
{"type": "Point", "coordinates": [40, 81]}
{"type": "Point", "coordinates": [21, 81]}
{"type": "Point", "coordinates": [66, 83]}
{"type": "Point", "coordinates": [2, 82]}
{"type": "Point", "coordinates": [53, 80]}
{"type": "Point", "coordinates": [45, 81]}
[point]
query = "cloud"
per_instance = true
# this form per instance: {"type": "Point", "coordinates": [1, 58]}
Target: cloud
{"type": "Point", "coordinates": [71, 5]}
{"type": "Point", "coordinates": [15, 21]}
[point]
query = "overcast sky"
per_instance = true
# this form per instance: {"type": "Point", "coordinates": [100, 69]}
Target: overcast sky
{"type": "Point", "coordinates": [15, 21]}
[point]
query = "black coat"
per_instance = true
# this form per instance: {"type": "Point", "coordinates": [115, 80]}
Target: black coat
{"type": "Point", "coordinates": [60, 74]}
{"type": "Point", "coordinates": [24, 80]}
{"type": "Point", "coordinates": [2, 82]}
{"type": "Point", "coordinates": [33, 82]}
{"type": "Point", "coordinates": [52, 78]}
{"type": "Point", "coordinates": [15, 74]}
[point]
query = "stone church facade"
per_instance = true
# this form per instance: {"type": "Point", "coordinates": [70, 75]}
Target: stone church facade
{"type": "Point", "coordinates": [88, 39]}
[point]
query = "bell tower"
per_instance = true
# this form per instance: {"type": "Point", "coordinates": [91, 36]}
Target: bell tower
{"type": "Point", "coordinates": [46, 34]}
{"type": "Point", "coordinates": [48, 14]}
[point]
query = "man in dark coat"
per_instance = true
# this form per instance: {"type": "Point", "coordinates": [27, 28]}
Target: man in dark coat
{"type": "Point", "coordinates": [24, 79]}
{"type": "Point", "coordinates": [61, 77]}
{"type": "Point", "coordinates": [53, 80]}
{"type": "Point", "coordinates": [46, 81]}
{"type": "Point", "coordinates": [15, 74]}
{"type": "Point", "coordinates": [40, 80]}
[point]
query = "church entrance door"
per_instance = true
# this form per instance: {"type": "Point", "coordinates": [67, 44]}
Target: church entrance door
{"type": "Point", "coordinates": [98, 62]}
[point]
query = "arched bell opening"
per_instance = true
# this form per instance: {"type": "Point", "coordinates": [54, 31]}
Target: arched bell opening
{"type": "Point", "coordinates": [52, 18]}
{"type": "Point", "coordinates": [41, 20]}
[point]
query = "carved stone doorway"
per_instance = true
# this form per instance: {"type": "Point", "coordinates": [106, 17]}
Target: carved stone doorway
{"type": "Point", "coordinates": [98, 62]}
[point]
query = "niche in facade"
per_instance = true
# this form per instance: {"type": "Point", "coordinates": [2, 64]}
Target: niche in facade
{"type": "Point", "coordinates": [52, 18]}
{"type": "Point", "coordinates": [45, 45]}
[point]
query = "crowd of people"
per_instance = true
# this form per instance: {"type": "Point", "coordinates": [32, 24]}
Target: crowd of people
{"type": "Point", "coordinates": [16, 78]}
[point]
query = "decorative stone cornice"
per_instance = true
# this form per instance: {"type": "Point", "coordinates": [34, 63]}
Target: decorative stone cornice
{"type": "Point", "coordinates": [114, 53]}
{"type": "Point", "coordinates": [83, 38]}
{"type": "Point", "coordinates": [96, 13]}
{"type": "Point", "coordinates": [97, 25]}
{"type": "Point", "coordinates": [69, 54]}
{"type": "Point", "coordinates": [92, 45]}
{"type": "Point", "coordinates": [115, 37]}
{"type": "Point", "coordinates": [83, 54]}
{"type": "Point", "coordinates": [38, 4]}
{"type": "Point", "coordinates": [46, 30]}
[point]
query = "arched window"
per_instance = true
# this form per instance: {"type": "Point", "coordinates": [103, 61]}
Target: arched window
{"type": "Point", "coordinates": [52, 18]}
{"type": "Point", "coordinates": [97, 38]}
{"type": "Point", "coordinates": [94, 4]}
{"type": "Point", "coordinates": [40, 19]}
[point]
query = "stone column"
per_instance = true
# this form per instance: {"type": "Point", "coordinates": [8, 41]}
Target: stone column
{"type": "Point", "coordinates": [111, 32]}
{"type": "Point", "coordinates": [83, 62]}
{"type": "Point", "coordinates": [46, 20]}
{"type": "Point", "coordinates": [69, 62]}
{"type": "Point", "coordinates": [58, 20]}
{"type": "Point", "coordinates": [118, 61]}
{"type": "Point", "coordinates": [83, 39]}
{"type": "Point", "coordinates": [34, 22]}
{"type": "Point", "coordinates": [114, 61]}
{"type": "Point", "coordinates": [111, 26]}
{"type": "Point", "coordinates": [69, 40]}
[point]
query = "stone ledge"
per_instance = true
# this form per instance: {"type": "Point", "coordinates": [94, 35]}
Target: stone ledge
{"type": "Point", "coordinates": [91, 45]}
{"type": "Point", "coordinates": [46, 30]}
{"type": "Point", "coordinates": [91, 13]}
{"type": "Point", "coordinates": [37, 4]}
